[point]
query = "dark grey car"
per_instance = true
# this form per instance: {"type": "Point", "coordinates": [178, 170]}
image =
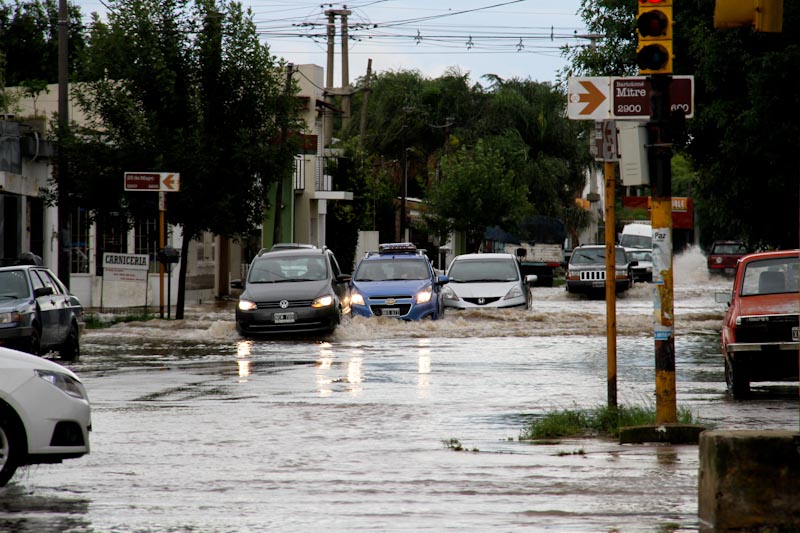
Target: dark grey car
{"type": "Point", "coordinates": [292, 290]}
{"type": "Point", "coordinates": [37, 312]}
{"type": "Point", "coordinates": [586, 272]}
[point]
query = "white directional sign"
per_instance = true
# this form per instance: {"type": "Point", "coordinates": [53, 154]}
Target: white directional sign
{"type": "Point", "coordinates": [588, 98]}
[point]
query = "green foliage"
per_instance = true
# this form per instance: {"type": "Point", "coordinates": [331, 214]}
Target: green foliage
{"type": "Point", "coordinates": [29, 42]}
{"type": "Point", "coordinates": [478, 188]}
{"type": "Point", "coordinates": [425, 122]}
{"type": "Point", "coordinates": [184, 88]}
{"type": "Point", "coordinates": [605, 420]}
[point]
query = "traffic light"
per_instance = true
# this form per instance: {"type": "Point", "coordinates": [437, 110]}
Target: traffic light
{"type": "Point", "coordinates": [762, 15]}
{"type": "Point", "coordinates": [654, 25]}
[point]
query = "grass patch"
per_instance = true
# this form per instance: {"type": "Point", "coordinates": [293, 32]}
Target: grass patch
{"type": "Point", "coordinates": [455, 445]}
{"type": "Point", "coordinates": [105, 320]}
{"type": "Point", "coordinates": [601, 420]}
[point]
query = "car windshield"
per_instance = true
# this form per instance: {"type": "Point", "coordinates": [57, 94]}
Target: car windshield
{"type": "Point", "coordinates": [391, 269]}
{"type": "Point", "coordinates": [729, 249]}
{"type": "Point", "coordinates": [640, 255]}
{"type": "Point", "coordinates": [288, 268]}
{"type": "Point", "coordinates": [478, 270]}
{"type": "Point", "coordinates": [636, 241]}
{"type": "Point", "coordinates": [770, 276]}
{"type": "Point", "coordinates": [13, 285]}
{"type": "Point", "coordinates": [595, 256]}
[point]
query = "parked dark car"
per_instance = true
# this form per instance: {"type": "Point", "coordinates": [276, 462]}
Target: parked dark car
{"type": "Point", "coordinates": [723, 256]}
{"type": "Point", "coordinates": [760, 331]}
{"type": "Point", "coordinates": [292, 289]}
{"type": "Point", "coordinates": [37, 312]}
{"type": "Point", "coordinates": [586, 271]}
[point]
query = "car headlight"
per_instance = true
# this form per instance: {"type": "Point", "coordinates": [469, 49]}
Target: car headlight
{"type": "Point", "coordinates": [67, 384]}
{"type": "Point", "coordinates": [515, 292]}
{"type": "Point", "coordinates": [10, 318]}
{"type": "Point", "coordinates": [322, 301]}
{"type": "Point", "coordinates": [449, 293]}
{"type": "Point", "coordinates": [425, 295]}
{"type": "Point", "coordinates": [247, 305]}
{"type": "Point", "coordinates": [357, 299]}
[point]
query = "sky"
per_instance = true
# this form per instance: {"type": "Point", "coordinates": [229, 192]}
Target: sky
{"type": "Point", "coordinates": [509, 38]}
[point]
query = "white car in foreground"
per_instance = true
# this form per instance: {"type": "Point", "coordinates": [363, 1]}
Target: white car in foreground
{"type": "Point", "coordinates": [45, 416]}
{"type": "Point", "coordinates": [490, 280]}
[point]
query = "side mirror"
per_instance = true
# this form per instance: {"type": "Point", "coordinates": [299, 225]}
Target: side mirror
{"type": "Point", "coordinates": [237, 284]}
{"type": "Point", "coordinates": [723, 297]}
{"type": "Point", "coordinates": [343, 278]}
{"type": "Point", "coordinates": [442, 280]}
{"type": "Point", "coordinates": [42, 291]}
{"type": "Point", "coordinates": [530, 279]}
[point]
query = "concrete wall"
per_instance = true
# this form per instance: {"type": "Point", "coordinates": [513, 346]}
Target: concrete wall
{"type": "Point", "coordinates": [749, 480]}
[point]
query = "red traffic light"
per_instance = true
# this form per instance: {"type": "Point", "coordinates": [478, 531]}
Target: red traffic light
{"type": "Point", "coordinates": [653, 23]}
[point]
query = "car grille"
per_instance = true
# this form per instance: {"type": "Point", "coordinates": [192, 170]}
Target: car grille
{"type": "Point", "coordinates": [481, 301]}
{"type": "Point", "coordinates": [593, 275]}
{"type": "Point", "coordinates": [377, 310]}
{"type": "Point", "coordinates": [277, 304]}
{"type": "Point", "coordinates": [769, 328]}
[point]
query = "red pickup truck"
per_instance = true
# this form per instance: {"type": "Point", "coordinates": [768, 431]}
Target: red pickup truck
{"type": "Point", "coordinates": [760, 331]}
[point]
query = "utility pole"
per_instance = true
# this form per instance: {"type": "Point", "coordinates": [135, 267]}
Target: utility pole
{"type": "Point", "coordinates": [276, 234]}
{"type": "Point", "coordinates": [64, 212]}
{"type": "Point", "coordinates": [363, 126]}
{"type": "Point", "coordinates": [345, 70]}
{"type": "Point", "coordinates": [327, 125]}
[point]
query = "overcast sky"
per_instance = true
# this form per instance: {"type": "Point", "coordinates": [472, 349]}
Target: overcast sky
{"type": "Point", "coordinates": [510, 38]}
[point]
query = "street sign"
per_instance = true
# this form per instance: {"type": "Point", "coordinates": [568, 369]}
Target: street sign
{"type": "Point", "coordinates": [630, 97]}
{"type": "Point", "coordinates": [625, 98]}
{"type": "Point", "coordinates": [153, 181]}
{"type": "Point", "coordinates": [588, 98]}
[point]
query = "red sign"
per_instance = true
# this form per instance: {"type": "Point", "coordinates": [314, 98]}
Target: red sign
{"type": "Point", "coordinates": [682, 209]}
{"type": "Point", "coordinates": [142, 181]}
{"type": "Point", "coordinates": [630, 97]}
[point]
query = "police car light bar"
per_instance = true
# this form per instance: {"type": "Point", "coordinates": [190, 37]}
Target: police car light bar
{"type": "Point", "coordinates": [397, 248]}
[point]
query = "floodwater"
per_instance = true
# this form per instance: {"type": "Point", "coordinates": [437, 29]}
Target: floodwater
{"type": "Point", "coordinates": [196, 430]}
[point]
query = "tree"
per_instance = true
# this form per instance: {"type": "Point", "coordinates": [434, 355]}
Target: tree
{"type": "Point", "coordinates": [29, 39]}
{"type": "Point", "coordinates": [205, 101]}
{"type": "Point", "coordinates": [479, 188]}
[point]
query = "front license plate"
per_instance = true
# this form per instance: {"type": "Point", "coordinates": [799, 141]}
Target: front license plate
{"type": "Point", "coordinates": [390, 311]}
{"type": "Point", "coordinates": [283, 318]}
{"type": "Point", "coordinates": [598, 284]}
{"type": "Point", "coordinates": [795, 333]}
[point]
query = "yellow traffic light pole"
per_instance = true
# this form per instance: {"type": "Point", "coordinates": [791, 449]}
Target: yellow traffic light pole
{"type": "Point", "coordinates": [654, 57]}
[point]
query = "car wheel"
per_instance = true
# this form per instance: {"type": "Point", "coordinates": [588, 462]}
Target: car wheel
{"type": "Point", "coordinates": [71, 349]}
{"type": "Point", "coordinates": [10, 448]}
{"type": "Point", "coordinates": [736, 379]}
{"type": "Point", "coordinates": [33, 344]}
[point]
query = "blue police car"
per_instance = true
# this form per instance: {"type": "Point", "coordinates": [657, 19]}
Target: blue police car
{"type": "Point", "coordinates": [397, 281]}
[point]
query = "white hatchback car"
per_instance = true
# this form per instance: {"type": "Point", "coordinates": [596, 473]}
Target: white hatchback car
{"type": "Point", "coordinates": [45, 416]}
{"type": "Point", "coordinates": [491, 280]}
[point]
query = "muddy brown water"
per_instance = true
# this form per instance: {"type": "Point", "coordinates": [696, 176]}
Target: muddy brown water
{"type": "Point", "coordinates": [197, 430]}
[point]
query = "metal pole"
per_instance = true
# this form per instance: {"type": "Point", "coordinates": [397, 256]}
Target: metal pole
{"type": "Point", "coordinates": [162, 207]}
{"type": "Point", "coordinates": [611, 283]}
{"type": "Point", "coordinates": [659, 155]}
{"type": "Point", "coordinates": [64, 213]}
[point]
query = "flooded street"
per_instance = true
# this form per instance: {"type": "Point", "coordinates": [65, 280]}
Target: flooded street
{"type": "Point", "coordinates": [196, 430]}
